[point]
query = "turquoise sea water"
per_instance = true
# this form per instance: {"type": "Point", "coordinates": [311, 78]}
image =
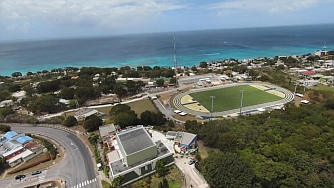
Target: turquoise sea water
{"type": "Point", "coordinates": [157, 49]}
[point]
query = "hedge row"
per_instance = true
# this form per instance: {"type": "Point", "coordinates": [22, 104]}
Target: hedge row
{"type": "Point", "coordinates": [48, 145]}
{"type": "Point", "coordinates": [25, 167]}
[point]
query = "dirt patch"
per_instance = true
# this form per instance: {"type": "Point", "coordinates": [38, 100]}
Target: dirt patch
{"type": "Point", "coordinates": [203, 150]}
{"type": "Point", "coordinates": [184, 118]}
{"type": "Point", "coordinates": [166, 96]}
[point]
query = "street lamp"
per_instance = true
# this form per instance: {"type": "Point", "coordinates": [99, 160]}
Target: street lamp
{"type": "Point", "coordinates": [242, 98]}
{"type": "Point", "coordinates": [212, 97]}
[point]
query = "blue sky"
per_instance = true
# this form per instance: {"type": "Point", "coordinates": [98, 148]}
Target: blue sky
{"type": "Point", "coordinates": [40, 19]}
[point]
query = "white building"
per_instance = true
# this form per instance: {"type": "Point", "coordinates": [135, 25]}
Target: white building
{"type": "Point", "coordinates": [6, 103]}
{"type": "Point", "coordinates": [136, 154]}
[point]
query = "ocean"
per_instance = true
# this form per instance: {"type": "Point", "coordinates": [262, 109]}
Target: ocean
{"type": "Point", "coordinates": [157, 49]}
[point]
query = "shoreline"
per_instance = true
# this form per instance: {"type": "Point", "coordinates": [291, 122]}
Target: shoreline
{"type": "Point", "coordinates": [210, 57]}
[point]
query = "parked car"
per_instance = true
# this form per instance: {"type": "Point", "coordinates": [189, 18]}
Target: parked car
{"type": "Point", "coordinates": [19, 177]}
{"type": "Point", "coordinates": [192, 161]}
{"type": "Point", "coordinates": [36, 172]}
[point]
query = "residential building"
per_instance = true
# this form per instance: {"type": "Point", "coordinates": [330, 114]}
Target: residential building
{"type": "Point", "coordinates": [2, 85]}
{"type": "Point", "coordinates": [144, 80]}
{"type": "Point", "coordinates": [107, 134]}
{"type": "Point", "coordinates": [64, 101]}
{"type": "Point", "coordinates": [83, 113]}
{"type": "Point", "coordinates": [183, 139]}
{"type": "Point", "coordinates": [17, 148]}
{"type": "Point", "coordinates": [321, 53]}
{"type": "Point", "coordinates": [6, 103]}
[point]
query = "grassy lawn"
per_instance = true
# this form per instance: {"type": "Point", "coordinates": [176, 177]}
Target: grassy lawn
{"type": "Point", "coordinates": [174, 178]}
{"type": "Point", "coordinates": [229, 98]}
{"type": "Point", "coordinates": [137, 106]}
{"type": "Point", "coordinates": [323, 87]}
{"type": "Point", "coordinates": [105, 184]}
{"type": "Point", "coordinates": [142, 105]}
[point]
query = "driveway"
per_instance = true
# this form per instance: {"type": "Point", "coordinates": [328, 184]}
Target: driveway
{"type": "Point", "coordinates": [192, 179]}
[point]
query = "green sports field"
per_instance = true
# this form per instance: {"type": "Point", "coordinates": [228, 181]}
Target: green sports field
{"type": "Point", "coordinates": [229, 98]}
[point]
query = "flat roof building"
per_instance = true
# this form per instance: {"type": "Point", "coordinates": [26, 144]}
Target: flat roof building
{"type": "Point", "coordinates": [136, 145]}
{"type": "Point", "coordinates": [107, 130]}
{"type": "Point", "coordinates": [82, 114]}
{"type": "Point", "coordinates": [185, 139]}
{"type": "Point", "coordinates": [136, 154]}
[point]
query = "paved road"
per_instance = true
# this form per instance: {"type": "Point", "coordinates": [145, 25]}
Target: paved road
{"type": "Point", "coordinates": [192, 179]}
{"type": "Point", "coordinates": [77, 169]}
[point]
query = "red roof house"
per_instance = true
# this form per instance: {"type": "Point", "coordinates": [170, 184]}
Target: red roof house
{"type": "Point", "coordinates": [309, 73]}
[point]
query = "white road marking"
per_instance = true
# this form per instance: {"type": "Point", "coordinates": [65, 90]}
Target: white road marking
{"type": "Point", "coordinates": [75, 149]}
{"type": "Point", "coordinates": [84, 183]}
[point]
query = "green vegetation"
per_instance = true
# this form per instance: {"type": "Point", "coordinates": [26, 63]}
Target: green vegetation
{"type": "Point", "coordinates": [291, 148]}
{"type": "Point", "coordinates": [229, 98]}
{"type": "Point", "coordinates": [173, 177]}
{"type": "Point", "coordinates": [4, 128]}
{"type": "Point", "coordinates": [124, 116]}
{"type": "Point", "coordinates": [4, 112]}
{"type": "Point", "coordinates": [97, 155]}
{"type": "Point", "coordinates": [70, 121]}
{"type": "Point", "coordinates": [48, 145]}
{"type": "Point", "coordinates": [105, 184]}
{"type": "Point", "coordinates": [160, 168]}
{"type": "Point", "coordinates": [142, 105]}
{"type": "Point", "coordinates": [228, 170]}
{"type": "Point", "coordinates": [92, 123]}
{"type": "Point", "coordinates": [76, 86]}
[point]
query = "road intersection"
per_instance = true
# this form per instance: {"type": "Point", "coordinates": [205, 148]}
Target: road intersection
{"type": "Point", "coordinates": [77, 169]}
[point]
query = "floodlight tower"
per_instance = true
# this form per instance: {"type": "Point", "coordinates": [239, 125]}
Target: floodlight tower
{"type": "Point", "coordinates": [212, 97]}
{"type": "Point", "coordinates": [241, 100]}
{"type": "Point", "coordinates": [175, 62]}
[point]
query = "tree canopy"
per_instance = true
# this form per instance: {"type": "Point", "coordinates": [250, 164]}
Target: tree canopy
{"type": "Point", "coordinates": [70, 121]}
{"type": "Point", "coordinates": [228, 170]}
{"type": "Point", "coordinates": [4, 128]}
{"type": "Point", "coordinates": [92, 123]}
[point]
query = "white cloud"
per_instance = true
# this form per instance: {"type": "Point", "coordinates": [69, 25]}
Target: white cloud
{"type": "Point", "coordinates": [266, 5]}
{"type": "Point", "coordinates": [110, 13]}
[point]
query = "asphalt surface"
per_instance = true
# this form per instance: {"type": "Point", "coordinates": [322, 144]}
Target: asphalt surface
{"type": "Point", "coordinates": [77, 168]}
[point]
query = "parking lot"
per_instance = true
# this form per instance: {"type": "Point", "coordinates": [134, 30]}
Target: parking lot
{"type": "Point", "coordinates": [192, 178]}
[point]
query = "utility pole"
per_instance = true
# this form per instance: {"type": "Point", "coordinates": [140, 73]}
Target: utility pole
{"type": "Point", "coordinates": [294, 93]}
{"type": "Point", "coordinates": [242, 98]}
{"type": "Point", "coordinates": [212, 97]}
{"type": "Point", "coordinates": [175, 62]}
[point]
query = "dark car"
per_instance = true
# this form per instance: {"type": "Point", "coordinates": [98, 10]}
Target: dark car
{"type": "Point", "coordinates": [192, 161]}
{"type": "Point", "coordinates": [19, 177]}
{"type": "Point", "coordinates": [36, 172]}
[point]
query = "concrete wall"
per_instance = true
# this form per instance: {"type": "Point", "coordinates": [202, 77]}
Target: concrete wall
{"type": "Point", "coordinates": [15, 163]}
{"type": "Point", "coordinates": [122, 150]}
{"type": "Point", "coordinates": [27, 158]}
{"type": "Point", "coordinates": [141, 155]}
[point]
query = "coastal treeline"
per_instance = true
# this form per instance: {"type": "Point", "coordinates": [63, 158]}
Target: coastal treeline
{"type": "Point", "coordinates": [44, 89]}
{"type": "Point", "coordinates": [284, 148]}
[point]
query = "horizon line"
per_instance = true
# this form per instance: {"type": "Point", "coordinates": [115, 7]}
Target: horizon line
{"type": "Point", "coordinates": [145, 33]}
